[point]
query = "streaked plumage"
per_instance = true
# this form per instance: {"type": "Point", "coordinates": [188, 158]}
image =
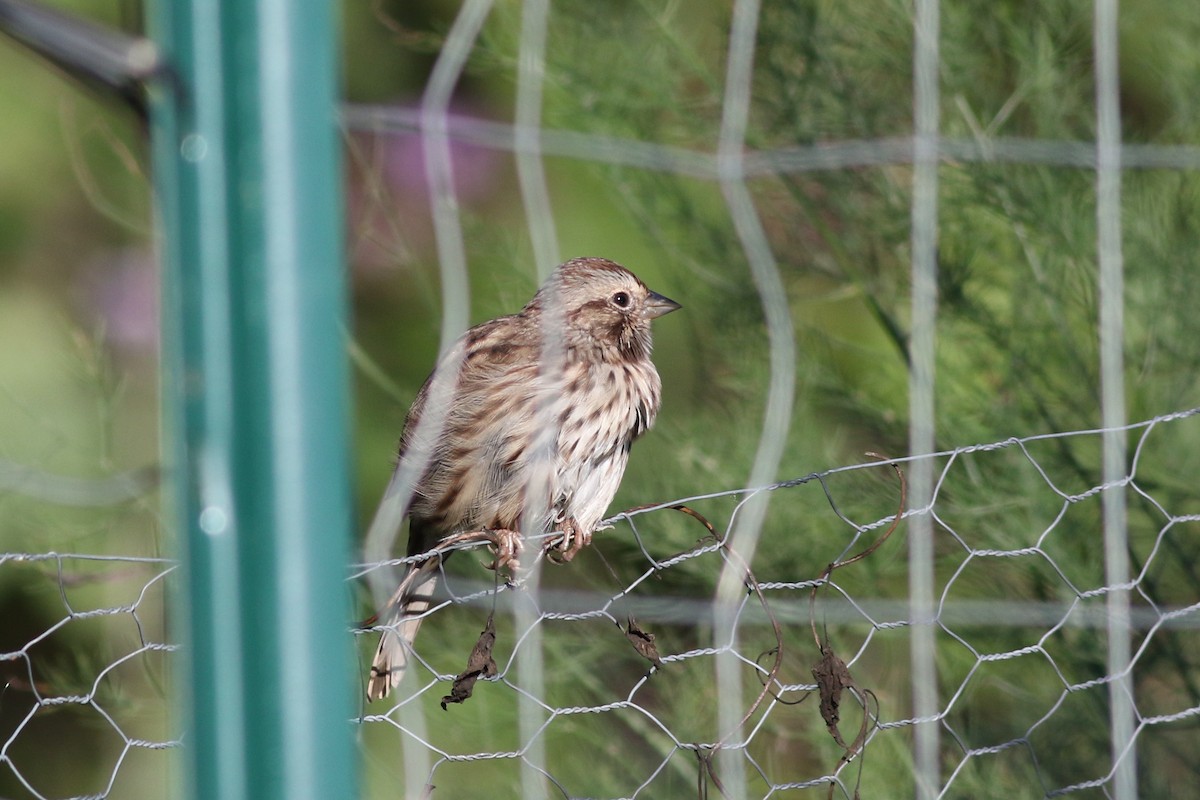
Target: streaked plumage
{"type": "Point", "coordinates": [533, 424]}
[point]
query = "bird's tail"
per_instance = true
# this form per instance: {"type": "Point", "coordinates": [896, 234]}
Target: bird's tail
{"type": "Point", "coordinates": [400, 620]}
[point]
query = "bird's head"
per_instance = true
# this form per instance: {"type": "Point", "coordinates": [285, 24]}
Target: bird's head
{"type": "Point", "coordinates": [602, 308]}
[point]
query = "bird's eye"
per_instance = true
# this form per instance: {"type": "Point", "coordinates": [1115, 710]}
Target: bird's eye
{"type": "Point", "coordinates": [621, 299]}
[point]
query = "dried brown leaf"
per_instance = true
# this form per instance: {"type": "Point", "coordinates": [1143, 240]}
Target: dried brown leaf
{"type": "Point", "coordinates": [479, 665]}
{"type": "Point", "coordinates": [832, 677]}
{"type": "Point", "coordinates": [643, 642]}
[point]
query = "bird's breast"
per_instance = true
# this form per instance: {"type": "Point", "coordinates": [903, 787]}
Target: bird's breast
{"type": "Point", "coordinates": [604, 408]}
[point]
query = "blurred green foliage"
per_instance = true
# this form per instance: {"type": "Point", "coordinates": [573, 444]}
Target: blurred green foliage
{"type": "Point", "coordinates": [1017, 355]}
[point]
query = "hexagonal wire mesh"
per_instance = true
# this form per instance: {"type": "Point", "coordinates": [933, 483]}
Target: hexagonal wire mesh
{"type": "Point", "coordinates": [84, 707]}
{"type": "Point", "coordinates": [1021, 680]}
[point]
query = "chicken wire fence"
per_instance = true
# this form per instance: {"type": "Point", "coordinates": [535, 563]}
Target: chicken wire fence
{"type": "Point", "coordinates": [1026, 627]}
{"type": "Point", "coordinates": [619, 702]}
{"type": "Point", "coordinates": [632, 673]}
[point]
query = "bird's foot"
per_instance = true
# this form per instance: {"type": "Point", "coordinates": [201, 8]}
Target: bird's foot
{"type": "Point", "coordinates": [567, 545]}
{"type": "Point", "coordinates": [506, 546]}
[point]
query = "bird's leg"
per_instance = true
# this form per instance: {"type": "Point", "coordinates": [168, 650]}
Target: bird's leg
{"type": "Point", "coordinates": [568, 545]}
{"type": "Point", "coordinates": [507, 545]}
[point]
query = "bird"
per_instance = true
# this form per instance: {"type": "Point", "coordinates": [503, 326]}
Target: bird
{"type": "Point", "coordinates": [525, 424]}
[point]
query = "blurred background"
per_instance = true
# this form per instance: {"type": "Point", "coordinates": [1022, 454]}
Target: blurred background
{"type": "Point", "coordinates": [1016, 356]}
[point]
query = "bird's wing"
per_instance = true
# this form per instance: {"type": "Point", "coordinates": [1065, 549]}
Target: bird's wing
{"type": "Point", "coordinates": [468, 421]}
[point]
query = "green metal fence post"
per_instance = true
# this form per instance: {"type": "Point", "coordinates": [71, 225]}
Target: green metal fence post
{"type": "Point", "coordinates": [255, 425]}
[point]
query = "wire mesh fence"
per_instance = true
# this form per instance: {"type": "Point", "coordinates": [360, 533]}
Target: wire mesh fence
{"type": "Point", "coordinates": [630, 651]}
{"type": "Point", "coordinates": [86, 667]}
{"type": "Point", "coordinates": [1022, 637]}
{"type": "Point", "coordinates": [627, 706]}
{"type": "Point", "coordinates": [896, 228]}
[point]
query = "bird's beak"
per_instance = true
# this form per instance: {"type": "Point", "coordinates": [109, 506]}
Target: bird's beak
{"type": "Point", "coordinates": [656, 305]}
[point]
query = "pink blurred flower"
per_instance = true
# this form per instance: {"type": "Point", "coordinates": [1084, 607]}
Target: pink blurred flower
{"type": "Point", "coordinates": [119, 291]}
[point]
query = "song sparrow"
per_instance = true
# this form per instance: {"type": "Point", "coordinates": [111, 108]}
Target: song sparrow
{"type": "Point", "coordinates": [536, 414]}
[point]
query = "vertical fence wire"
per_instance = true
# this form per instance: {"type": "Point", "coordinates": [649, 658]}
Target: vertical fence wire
{"type": "Point", "coordinates": [776, 416]}
{"type": "Point", "coordinates": [1112, 398]}
{"type": "Point", "coordinates": [539, 216]}
{"type": "Point", "coordinates": [922, 414]}
{"type": "Point", "coordinates": [452, 259]}
{"type": "Point", "coordinates": [527, 136]}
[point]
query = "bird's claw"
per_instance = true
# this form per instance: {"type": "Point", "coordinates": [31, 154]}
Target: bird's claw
{"type": "Point", "coordinates": [506, 545]}
{"type": "Point", "coordinates": [566, 546]}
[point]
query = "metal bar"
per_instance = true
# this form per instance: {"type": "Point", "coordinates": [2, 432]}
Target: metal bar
{"type": "Point", "coordinates": [255, 394]}
{"type": "Point", "coordinates": [1112, 401]}
{"type": "Point", "coordinates": [105, 58]}
{"type": "Point", "coordinates": [922, 430]}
